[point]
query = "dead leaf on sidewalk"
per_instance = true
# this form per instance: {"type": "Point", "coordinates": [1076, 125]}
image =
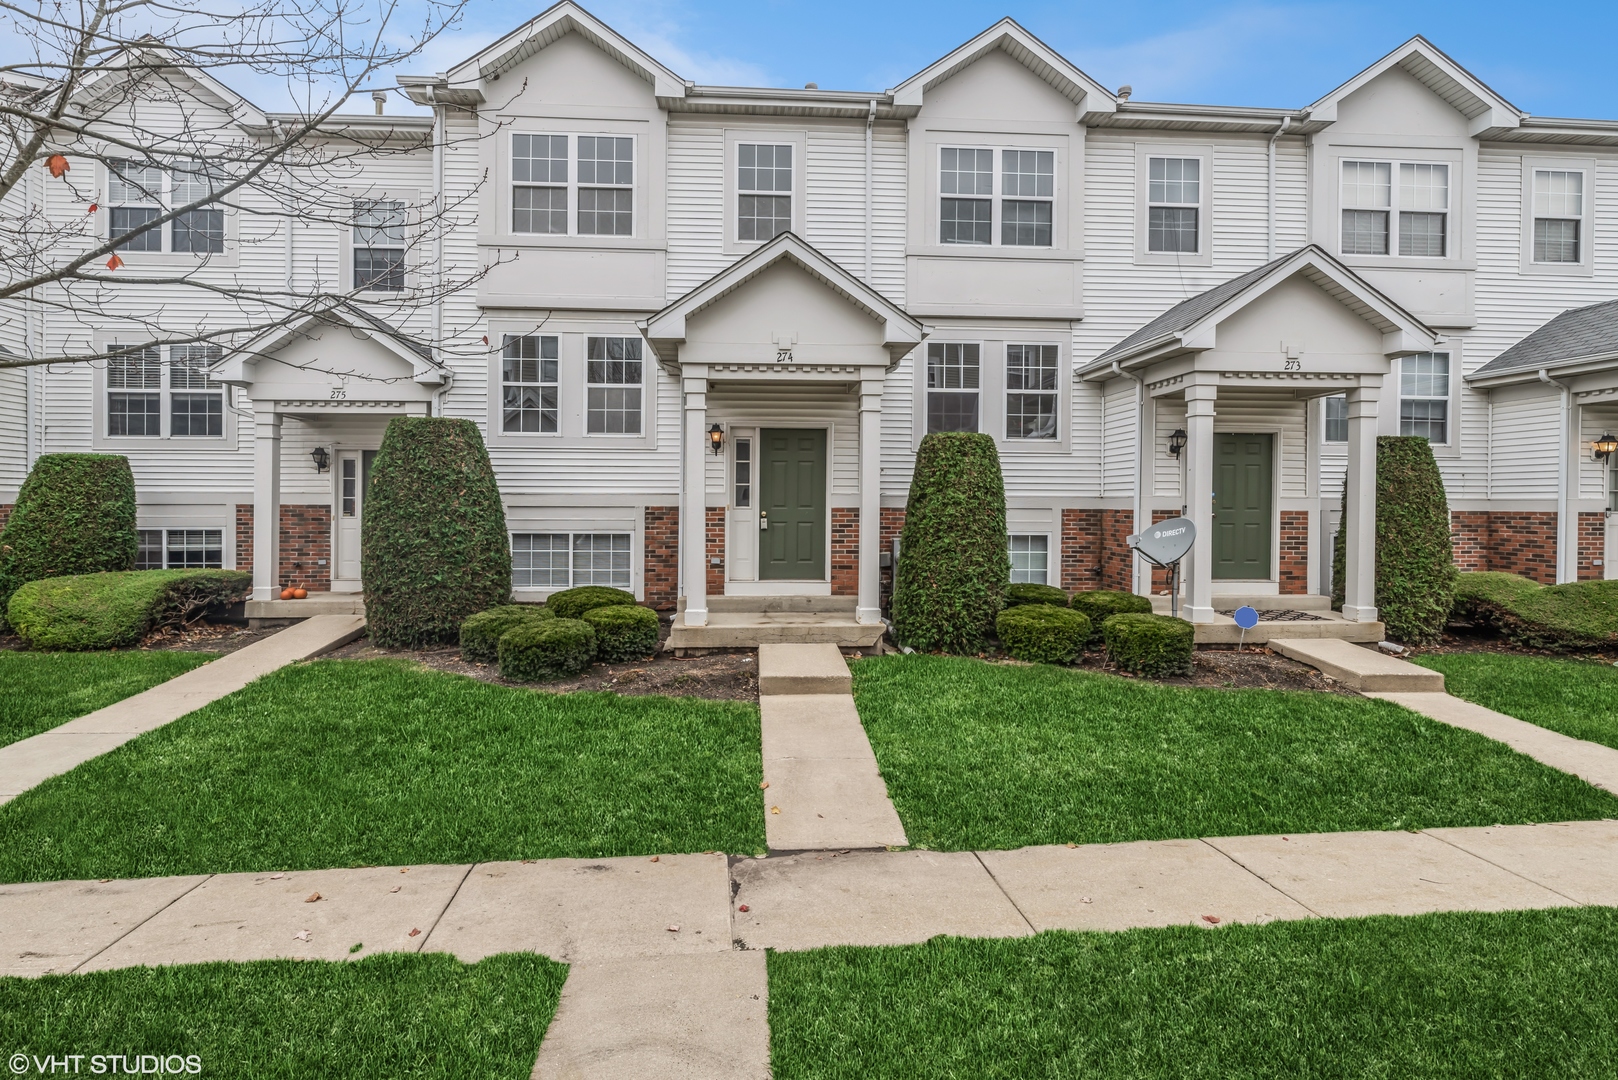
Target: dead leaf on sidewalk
{"type": "Point", "coordinates": [654, 858]}
{"type": "Point", "coordinates": [301, 935]}
{"type": "Point", "coordinates": [1211, 920]}
{"type": "Point", "coordinates": [312, 898]}
{"type": "Point", "coordinates": [775, 809]}
{"type": "Point", "coordinates": [396, 888]}
{"type": "Point", "coordinates": [1084, 900]}
{"type": "Point", "coordinates": [414, 931]}
{"type": "Point", "coordinates": [742, 908]}
{"type": "Point", "coordinates": [764, 785]}
{"type": "Point", "coordinates": [277, 877]}
{"type": "Point", "coordinates": [674, 928]}
{"type": "Point", "coordinates": [1071, 844]}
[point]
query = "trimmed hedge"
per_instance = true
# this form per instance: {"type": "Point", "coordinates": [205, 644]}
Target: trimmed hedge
{"type": "Point", "coordinates": [573, 603]}
{"type": "Point", "coordinates": [74, 515]}
{"type": "Point", "coordinates": [433, 542]}
{"type": "Point", "coordinates": [1151, 645]}
{"type": "Point", "coordinates": [1577, 615]}
{"type": "Point", "coordinates": [546, 649]}
{"type": "Point", "coordinates": [480, 634]}
{"type": "Point", "coordinates": [1028, 593]}
{"type": "Point", "coordinates": [623, 632]}
{"type": "Point", "coordinates": [954, 566]}
{"type": "Point", "coordinates": [1043, 633]}
{"type": "Point", "coordinates": [1415, 562]}
{"type": "Point", "coordinates": [1101, 604]}
{"type": "Point", "coordinates": [110, 610]}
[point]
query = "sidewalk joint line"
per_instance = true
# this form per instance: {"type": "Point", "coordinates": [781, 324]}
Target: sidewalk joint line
{"type": "Point", "coordinates": [205, 879]}
{"type": "Point", "coordinates": [1507, 869]}
{"type": "Point", "coordinates": [1032, 929]}
{"type": "Point", "coordinates": [1249, 870]}
{"type": "Point", "coordinates": [428, 936]}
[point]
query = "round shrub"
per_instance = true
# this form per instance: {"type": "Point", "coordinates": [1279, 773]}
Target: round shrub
{"type": "Point", "coordinates": [118, 608]}
{"type": "Point", "coordinates": [1152, 645]}
{"type": "Point", "coordinates": [954, 565]}
{"type": "Point", "coordinates": [480, 634]}
{"type": "Point", "coordinates": [573, 603]}
{"type": "Point", "coordinates": [1102, 604]}
{"type": "Point", "coordinates": [1025, 592]}
{"type": "Point", "coordinates": [623, 632]}
{"type": "Point", "coordinates": [433, 544]}
{"type": "Point", "coordinates": [74, 515]}
{"type": "Point", "coordinates": [1043, 633]}
{"type": "Point", "coordinates": [546, 649]}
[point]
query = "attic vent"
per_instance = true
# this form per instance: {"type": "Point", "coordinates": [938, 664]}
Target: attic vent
{"type": "Point", "coordinates": [811, 86]}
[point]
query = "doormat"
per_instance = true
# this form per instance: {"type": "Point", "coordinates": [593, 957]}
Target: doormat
{"type": "Point", "coordinates": [1281, 615]}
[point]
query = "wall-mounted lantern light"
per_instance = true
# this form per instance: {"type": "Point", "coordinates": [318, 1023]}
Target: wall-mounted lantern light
{"type": "Point", "coordinates": [322, 459]}
{"type": "Point", "coordinates": [1605, 447]}
{"type": "Point", "coordinates": [1176, 441]}
{"type": "Point", "coordinates": [716, 438]}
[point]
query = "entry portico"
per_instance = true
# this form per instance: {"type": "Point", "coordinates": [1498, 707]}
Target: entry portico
{"type": "Point", "coordinates": [782, 352]}
{"type": "Point", "coordinates": [1243, 361]}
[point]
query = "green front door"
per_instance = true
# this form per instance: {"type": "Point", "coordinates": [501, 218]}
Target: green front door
{"type": "Point", "coordinates": [792, 504]}
{"type": "Point", "coordinates": [1243, 478]}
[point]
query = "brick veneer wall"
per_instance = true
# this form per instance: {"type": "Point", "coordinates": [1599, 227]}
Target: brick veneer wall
{"type": "Point", "coordinates": [1117, 561]}
{"type": "Point", "coordinates": [1081, 550]}
{"type": "Point", "coordinates": [1515, 542]}
{"type": "Point", "coordinates": [1469, 539]}
{"type": "Point", "coordinates": [1592, 545]}
{"type": "Point", "coordinates": [1293, 558]}
{"type": "Point", "coordinates": [244, 536]}
{"type": "Point", "coordinates": [305, 539]}
{"type": "Point", "coordinates": [660, 561]}
{"type": "Point", "coordinates": [5, 513]}
{"type": "Point", "coordinates": [715, 522]}
{"type": "Point", "coordinates": [845, 551]}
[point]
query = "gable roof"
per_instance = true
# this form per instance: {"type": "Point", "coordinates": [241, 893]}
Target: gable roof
{"type": "Point", "coordinates": [900, 333]}
{"type": "Point", "coordinates": [424, 367]}
{"type": "Point", "coordinates": [1580, 337]}
{"type": "Point", "coordinates": [550, 26]}
{"type": "Point", "coordinates": [1429, 65]}
{"type": "Point", "coordinates": [149, 56]}
{"type": "Point", "coordinates": [1027, 50]}
{"type": "Point", "coordinates": [1185, 321]}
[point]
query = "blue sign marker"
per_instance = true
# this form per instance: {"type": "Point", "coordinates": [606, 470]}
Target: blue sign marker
{"type": "Point", "coordinates": [1246, 618]}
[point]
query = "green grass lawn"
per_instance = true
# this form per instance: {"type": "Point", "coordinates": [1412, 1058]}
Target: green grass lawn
{"type": "Point", "coordinates": [363, 763]}
{"type": "Point", "coordinates": [389, 1015]}
{"type": "Point", "coordinates": [980, 755]}
{"type": "Point", "coordinates": [1576, 697]}
{"type": "Point", "coordinates": [1508, 995]}
{"type": "Point", "coordinates": [38, 691]}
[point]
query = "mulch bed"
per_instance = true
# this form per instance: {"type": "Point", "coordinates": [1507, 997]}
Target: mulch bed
{"type": "Point", "coordinates": [202, 637]}
{"type": "Point", "coordinates": [1457, 640]}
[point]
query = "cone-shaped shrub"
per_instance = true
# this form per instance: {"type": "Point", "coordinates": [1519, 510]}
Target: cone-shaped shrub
{"type": "Point", "coordinates": [953, 564]}
{"type": "Point", "coordinates": [75, 514]}
{"type": "Point", "coordinates": [433, 538]}
{"type": "Point", "coordinates": [1415, 562]}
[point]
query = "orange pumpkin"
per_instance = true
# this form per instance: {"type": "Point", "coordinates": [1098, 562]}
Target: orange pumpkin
{"type": "Point", "coordinates": [286, 594]}
{"type": "Point", "coordinates": [300, 594]}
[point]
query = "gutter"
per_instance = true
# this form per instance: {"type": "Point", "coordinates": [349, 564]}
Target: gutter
{"type": "Point", "coordinates": [1286, 122]}
{"type": "Point", "coordinates": [1567, 554]}
{"type": "Point", "coordinates": [1141, 513]}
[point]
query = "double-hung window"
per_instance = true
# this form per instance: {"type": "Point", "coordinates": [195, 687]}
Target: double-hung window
{"type": "Point", "coordinates": [529, 376]}
{"type": "Point", "coordinates": [579, 185]}
{"type": "Point", "coordinates": [1424, 396]}
{"type": "Point", "coordinates": [1031, 391]}
{"type": "Point", "coordinates": [134, 198]}
{"type": "Point", "coordinates": [200, 231]}
{"type": "Point", "coordinates": [180, 549]}
{"type": "Point", "coordinates": [568, 560]}
{"type": "Point", "coordinates": [1174, 205]}
{"type": "Point", "coordinates": [1030, 559]}
{"type": "Point", "coordinates": [138, 193]}
{"type": "Point", "coordinates": [1558, 215]}
{"type": "Point", "coordinates": [606, 185]}
{"type": "Point", "coordinates": [196, 402]}
{"type": "Point", "coordinates": [1337, 419]}
{"type": "Point", "coordinates": [1410, 218]}
{"type": "Point", "coordinates": [613, 372]}
{"type": "Point", "coordinates": [539, 184]}
{"type": "Point", "coordinates": [379, 245]}
{"type": "Point", "coordinates": [952, 386]}
{"type": "Point", "coordinates": [134, 394]}
{"type": "Point", "coordinates": [136, 389]}
{"type": "Point", "coordinates": [973, 196]}
{"type": "Point", "coordinates": [763, 190]}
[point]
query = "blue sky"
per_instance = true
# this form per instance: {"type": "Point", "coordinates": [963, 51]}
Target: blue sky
{"type": "Point", "coordinates": [1169, 50]}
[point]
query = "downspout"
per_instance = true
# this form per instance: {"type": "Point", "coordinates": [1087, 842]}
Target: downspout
{"type": "Point", "coordinates": [1141, 515]}
{"type": "Point", "coordinates": [1286, 122]}
{"type": "Point", "coordinates": [286, 239]}
{"type": "Point", "coordinates": [870, 188]}
{"type": "Point", "coordinates": [31, 343]}
{"type": "Point", "coordinates": [1566, 554]}
{"type": "Point", "coordinates": [440, 130]}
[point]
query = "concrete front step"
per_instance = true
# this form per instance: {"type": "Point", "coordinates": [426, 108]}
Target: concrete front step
{"type": "Point", "coordinates": [1311, 603]}
{"type": "Point", "coordinates": [273, 612]}
{"type": "Point", "coordinates": [750, 629]}
{"type": "Point", "coordinates": [803, 669]}
{"type": "Point", "coordinates": [1360, 669]}
{"type": "Point", "coordinates": [824, 605]}
{"type": "Point", "coordinates": [1331, 626]}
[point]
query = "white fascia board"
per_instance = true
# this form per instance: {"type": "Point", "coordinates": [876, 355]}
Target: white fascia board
{"type": "Point", "coordinates": [238, 367]}
{"type": "Point", "coordinates": [1427, 63]}
{"type": "Point", "coordinates": [1577, 365]}
{"type": "Point", "coordinates": [1033, 53]}
{"type": "Point", "coordinates": [553, 23]}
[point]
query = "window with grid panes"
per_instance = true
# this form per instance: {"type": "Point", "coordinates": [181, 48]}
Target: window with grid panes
{"type": "Point", "coordinates": [180, 549]}
{"type": "Point", "coordinates": [196, 402]}
{"type": "Point", "coordinates": [1027, 189]}
{"type": "Point", "coordinates": [1424, 396]}
{"type": "Point", "coordinates": [952, 386]}
{"type": "Point", "coordinates": [197, 231]}
{"type": "Point", "coordinates": [134, 198]}
{"type": "Point", "coordinates": [149, 549]}
{"type": "Point", "coordinates": [601, 559]}
{"type": "Point", "coordinates": [1030, 559]}
{"type": "Point", "coordinates": [606, 185]}
{"type": "Point", "coordinates": [763, 190]}
{"type": "Point", "coordinates": [966, 186]}
{"type": "Point", "coordinates": [1173, 205]}
{"type": "Point", "coordinates": [565, 560]}
{"type": "Point", "coordinates": [529, 373]}
{"type": "Point", "coordinates": [1337, 418]}
{"type": "Point", "coordinates": [1423, 209]}
{"type": "Point", "coordinates": [134, 394]}
{"type": "Point", "coordinates": [613, 371]}
{"type": "Point", "coordinates": [1558, 215]}
{"type": "Point", "coordinates": [1410, 218]}
{"type": "Point", "coordinates": [379, 244]}
{"type": "Point", "coordinates": [743, 484]}
{"type": "Point", "coordinates": [1367, 201]}
{"type": "Point", "coordinates": [1031, 391]}
{"type": "Point", "coordinates": [539, 184]}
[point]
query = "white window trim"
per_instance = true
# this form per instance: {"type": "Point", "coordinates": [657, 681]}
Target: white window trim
{"type": "Point", "coordinates": [1206, 207]}
{"type": "Point", "coordinates": [1006, 392]}
{"type": "Point", "coordinates": [985, 363]}
{"type": "Point", "coordinates": [1585, 267]}
{"type": "Point", "coordinates": [225, 553]}
{"type": "Point", "coordinates": [167, 441]}
{"type": "Point", "coordinates": [1455, 240]}
{"type": "Point", "coordinates": [497, 384]}
{"type": "Point", "coordinates": [734, 137]}
{"type": "Point", "coordinates": [647, 362]}
{"type": "Point", "coordinates": [992, 390]}
{"type": "Point", "coordinates": [573, 394]}
{"type": "Point", "coordinates": [1451, 446]}
{"type": "Point", "coordinates": [573, 130]}
{"type": "Point", "coordinates": [167, 258]}
{"type": "Point", "coordinates": [1058, 199]}
{"type": "Point", "coordinates": [1052, 552]}
{"type": "Point", "coordinates": [602, 516]}
{"type": "Point", "coordinates": [412, 208]}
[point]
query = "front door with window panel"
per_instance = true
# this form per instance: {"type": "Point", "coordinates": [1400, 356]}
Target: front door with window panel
{"type": "Point", "coordinates": [1243, 518]}
{"type": "Point", "coordinates": [353, 471]}
{"type": "Point", "coordinates": [792, 504]}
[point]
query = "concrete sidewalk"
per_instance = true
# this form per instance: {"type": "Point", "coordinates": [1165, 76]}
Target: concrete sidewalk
{"type": "Point", "coordinates": [32, 761]}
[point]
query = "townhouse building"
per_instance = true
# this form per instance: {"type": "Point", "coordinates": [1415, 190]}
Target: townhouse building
{"type": "Point", "coordinates": [711, 325]}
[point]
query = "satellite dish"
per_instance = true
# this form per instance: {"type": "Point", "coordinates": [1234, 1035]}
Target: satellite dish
{"type": "Point", "coordinates": [1246, 618]}
{"type": "Point", "coordinates": [1167, 542]}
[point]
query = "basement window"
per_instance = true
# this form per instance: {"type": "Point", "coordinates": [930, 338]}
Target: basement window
{"type": "Point", "coordinates": [1030, 559]}
{"type": "Point", "coordinates": [180, 549]}
{"type": "Point", "coordinates": [568, 560]}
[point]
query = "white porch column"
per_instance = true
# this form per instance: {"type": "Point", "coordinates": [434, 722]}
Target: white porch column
{"type": "Point", "coordinates": [869, 606]}
{"type": "Point", "coordinates": [1199, 493]}
{"type": "Point", "coordinates": [1359, 519]}
{"type": "Point", "coordinates": [266, 503]}
{"type": "Point", "coordinates": [694, 502]}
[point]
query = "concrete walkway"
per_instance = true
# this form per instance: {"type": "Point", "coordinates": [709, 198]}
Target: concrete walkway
{"type": "Point", "coordinates": [32, 761]}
